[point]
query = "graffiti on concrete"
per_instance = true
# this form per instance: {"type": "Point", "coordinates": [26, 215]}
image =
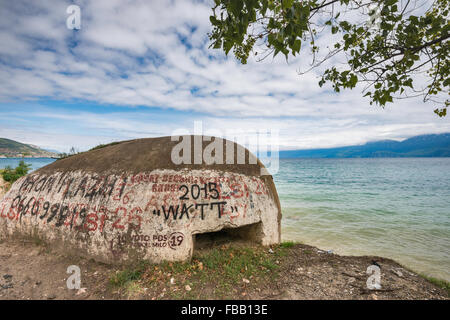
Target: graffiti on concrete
{"type": "Point", "coordinates": [147, 210]}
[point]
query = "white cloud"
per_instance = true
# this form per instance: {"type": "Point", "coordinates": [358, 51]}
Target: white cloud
{"type": "Point", "coordinates": [155, 54]}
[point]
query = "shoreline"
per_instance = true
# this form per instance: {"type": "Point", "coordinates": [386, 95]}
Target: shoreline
{"type": "Point", "coordinates": [406, 261]}
{"type": "Point", "coordinates": [29, 157]}
{"type": "Point", "coordinates": [286, 271]}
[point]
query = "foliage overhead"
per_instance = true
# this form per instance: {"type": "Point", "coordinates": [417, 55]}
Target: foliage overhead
{"type": "Point", "coordinates": [395, 49]}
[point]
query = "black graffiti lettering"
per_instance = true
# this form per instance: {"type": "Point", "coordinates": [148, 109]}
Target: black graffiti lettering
{"type": "Point", "coordinates": [92, 190]}
{"type": "Point", "coordinates": [29, 182]}
{"type": "Point", "coordinates": [196, 191]}
{"type": "Point", "coordinates": [201, 205]}
{"type": "Point", "coordinates": [185, 210]}
{"type": "Point", "coordinates": [175, 240]}
{"type": "Point", "coordinates": [124, 183]}
{"type": "Point", "coordinates": [195, 194]}
{"type": "Point", "coordinates": [14, 204]}
{"type": "Point", "coordinates": [63, 213]}
{"type": "Point", "coordinates": [21, 207]}
{"type": "Point", "coordinates": [81, 186]}
{"type": "Point", "coordinates": [212, 186]}
{"type": "Point", "coordinates": [205, 189]}
{"type": "Point", "coordinates": [74, 213]}
{"type": "Point", "coordinates": [35, 208]}
{"type": "Point", "coordinates": [46, 206]}
{"type": "Point", "coordinates": [24, 184]}
{"type": "Point", "coordinates": [66, 192]}
{"type": "Point", "coordinates": [82, 215]}
{"type": "Point", "coordinates": [40, 184]}
{"type": "Point", "coordinates": [61, 177]}
{"type": "Point", "coordinates": [172, 209]}
{"type": "Point", "coordinates": [184, 196]}
{"type": "Point", "coordinates": [24, 209]}
{"type": "Point", "coordinates": [219, 208]}
{"type": "Point", "coordinates": [53, 212]}
{"type": "Point", "coordinates": [61, 184]}
{"type": "Point", "coordinates": [67, 182]}
{"type": "Point", "coordinates": [104, 190]}
{"type": "Point", "coordinates": [49, 184]}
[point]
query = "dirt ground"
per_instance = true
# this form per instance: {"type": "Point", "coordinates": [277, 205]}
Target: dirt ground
{"type": "Point", "coordinates": [30, 270]}
{"type": "Point", "coordinates": [310, 273]}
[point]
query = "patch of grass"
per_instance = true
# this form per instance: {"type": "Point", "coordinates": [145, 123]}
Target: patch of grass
{"type": "Point", "coordinates": [100, 146]}
{"type": "Point", "coordinates": [121, 278]}
{"type": "Point", "coordinates": [34, 238]}
{"type": "Point", "coordinates": [134, 289]}
{"type": "Point", "coordinates": [38, 241]}
{"type": "Point", "coordinates": [130, 273]}
{"type": "Point", "coordinates": [218, 273]}
{"type": "Point", "coordinates": [269, 265]}
{"type": "Point", "coordinates": [74, 152]}
{"type": "Point", "coordinates": [233, 263]}
{"type": "Point", "coordinates": [287, 244]}
{"type": "Point", "coordinates": [438, 282]}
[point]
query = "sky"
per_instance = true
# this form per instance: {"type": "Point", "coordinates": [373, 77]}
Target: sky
{"type": "Point", "coordinates": [140, 69]}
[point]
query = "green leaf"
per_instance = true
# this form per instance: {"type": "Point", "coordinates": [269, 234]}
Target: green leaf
{"type": "Point", "coordinates": [390, 53]}
{"type": "Point", "coordinates": [296, 46]}
{"type": "Point", "coordinates": [286, 4]}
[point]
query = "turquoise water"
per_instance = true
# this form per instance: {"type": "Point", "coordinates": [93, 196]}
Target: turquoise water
{"type": "Point", "coordinates": [391, 207]}
{"type": "Point", "coordinates": [396, 208]}
{"type": "Point", "coordinates": [36, 163]}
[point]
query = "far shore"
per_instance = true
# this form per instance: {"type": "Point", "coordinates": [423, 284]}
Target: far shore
{"type": "Point", "coordinates": [40, 157]}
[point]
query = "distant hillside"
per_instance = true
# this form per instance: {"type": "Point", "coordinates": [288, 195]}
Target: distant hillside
{"type": "Point", "coordinates": [430, 145]}
{"type": "Point", "coordinates": [11, 149]}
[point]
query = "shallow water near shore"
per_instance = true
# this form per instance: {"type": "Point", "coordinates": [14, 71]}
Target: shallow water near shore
{"type": "Point", "coordinates": [397, 208]}
{"type": "Point", "coordinates": [36, 163]}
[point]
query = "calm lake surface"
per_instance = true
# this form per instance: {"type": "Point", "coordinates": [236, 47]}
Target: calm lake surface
{"type": "Point", "coordinates": [392, 207]}
{"type": "Point", "coordinates": [397, 208]}
{"type": "Point", "coordinates": [36, 163]}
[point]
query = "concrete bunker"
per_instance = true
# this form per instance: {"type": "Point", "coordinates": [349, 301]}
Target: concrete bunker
{"type": "Point", "coordinates": [130, 201]}
{"type": "Point", "coordinates": [247, 234]}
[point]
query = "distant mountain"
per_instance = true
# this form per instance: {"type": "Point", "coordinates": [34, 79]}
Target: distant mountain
{"type": "Point", "coordinates": [430, 145]}
{"type": "Point", "coordinates": [11, 149]}
{"type": "Point", "coordinates": [52, 151]}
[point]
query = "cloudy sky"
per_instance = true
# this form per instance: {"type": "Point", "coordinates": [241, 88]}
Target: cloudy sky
{"type": "Point", "coordinates": [143, 69]}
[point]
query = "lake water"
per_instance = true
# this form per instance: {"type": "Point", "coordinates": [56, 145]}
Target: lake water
{"type": "Point", "coordinates": [396, 208]}
{"type": "Point", "coordinates": [391, 207]}
{"type": "Point", "coordinates": [36, 163]}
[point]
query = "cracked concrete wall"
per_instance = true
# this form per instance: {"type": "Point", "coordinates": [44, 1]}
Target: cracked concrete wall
{"type": "Point", "coordinates": [142, 215]}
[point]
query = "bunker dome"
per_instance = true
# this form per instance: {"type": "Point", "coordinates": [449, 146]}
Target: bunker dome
{"type": "Point", "coordinates": [130, 200]}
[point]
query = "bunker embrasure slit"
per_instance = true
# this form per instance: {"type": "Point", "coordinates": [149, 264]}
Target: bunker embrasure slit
{"type": "Point", "coordinates": [242, 235]}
